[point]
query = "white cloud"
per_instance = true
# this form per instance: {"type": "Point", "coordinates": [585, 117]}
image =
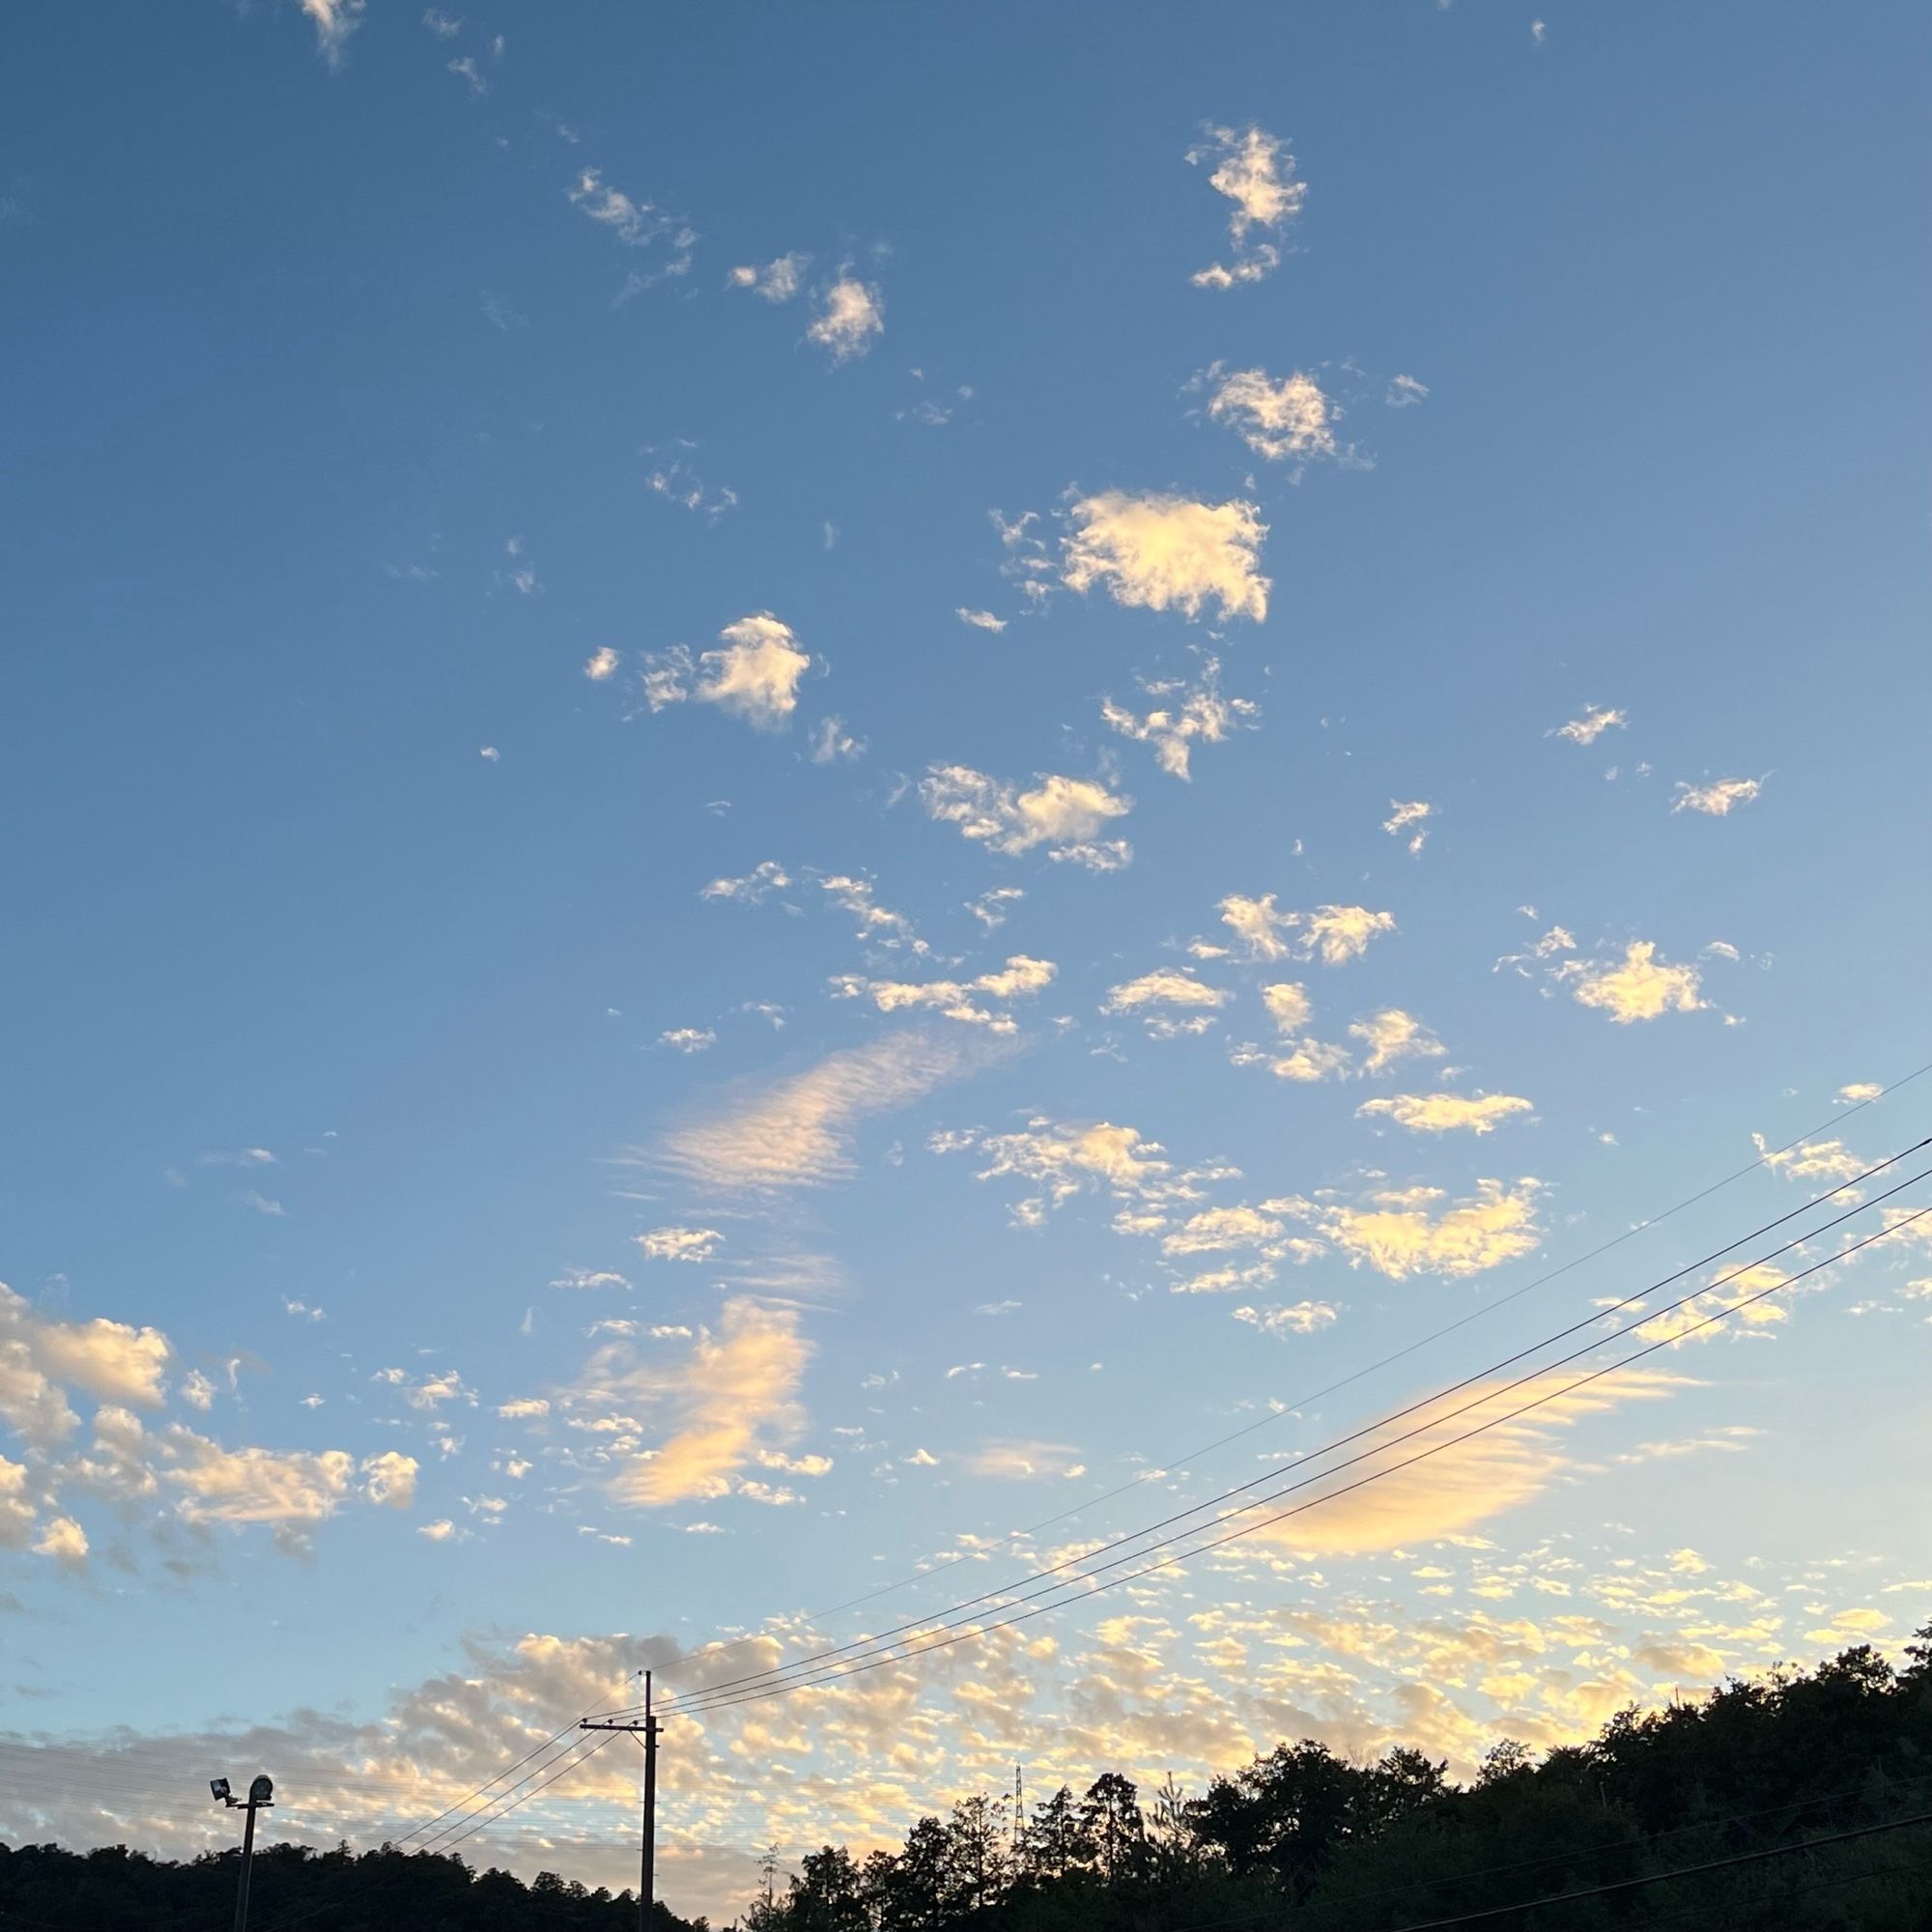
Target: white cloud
{"type": "Point", "coordinates": [833, 744]}
{"type": "Point", "coordinates": [778, 281]}
{"type": "Point", "coordinates": [1447, 1113]}
{"type": "Point", "coordinates": [756, 675]}
{"type": "Point", "coordinates": [41, 1356]}
{"type": "Point", "coordinates": [1061, 813]}
{"type": "Point", "coordinates": [1288, 1006]}
{"type": "Point", "coordinates": [719, 1404]}
{"type": "Point", "coordinates": [1062, 1159]}
{"type": "Point", "coordinates": [588, 1278]}
{"type": "Point", "coordinates": [1202, 716]}
{"type": "Point", "coordinates": [1161, 553]}
{"type": "Point", "coordinates": [851, 316]}
{"type": "Point", "coordinates": [688, 1040]}
{"type": "Point", "coordinates": [990, 908]}
{"type": "Point", "coordinates": [1415, 812]}
{"type": "Point", "coordinates": [1334, 934]}
{"type": "Point", "coordinates": [1026, 1462]}
{"type": "Point", "coordinates": [1277, 421]}
{"type": "Point", "coordinates": [601, 663]}
{"type": "Point", "coordinates": [1301, 1318]}
{"type": "Point", "coordinates": [798, 1132]}
{"type": "Point", "coordinates": [1393, 1035]}
{"type": "Point", "coordinates": [964, 1000]}
{"type": "Point", "coordinates": [680, 1244]}
{"type": "Point", "coordinates": [334, 21]}
{"type": "Point", "coordinates": [635, 223]}
{"type": "Point", "coordinates": [980, 620]}
{"type": "Point", "coordinates": [1306, 1062]}
{"type": "Point", "coordinates": [1718, 799]}
{"type": "Point", "coordinates": [64, 1542]}
{"type": "Point", "coordinates": [1409, 1231]}
{"type": "Point", "coordinates": [1591, 725]}
{"type": "Point", "coordinates": [1166, 986]}
{"type": "Point", "coordinates": [1640, 987]}
{"type": "Point", "coordinates": [1255, 172]}
{"type": "Point", "coordinates": [1405, 392]}
{"type": "Point", "coordinates": [1857, 1090]}
{"type": "Point", "coordinates": [878, 925]}
{"type": "Point", "coordinates": [764, 878]}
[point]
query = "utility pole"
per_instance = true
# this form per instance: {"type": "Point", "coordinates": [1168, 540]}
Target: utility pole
{"type": "Point", "coordinates": [1019, 1813]}
{"type": "Point", "coordinates": [261, 1797]}
{"type": "Point", "coordinates": [646, 1728]}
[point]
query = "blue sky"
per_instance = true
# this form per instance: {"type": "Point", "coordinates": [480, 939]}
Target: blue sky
{"type": "Point", "coordinates": [482, 485]}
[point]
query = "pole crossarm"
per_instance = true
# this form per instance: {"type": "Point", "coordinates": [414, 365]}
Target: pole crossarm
{"type": "Point", "coordinates": [646, 1729]}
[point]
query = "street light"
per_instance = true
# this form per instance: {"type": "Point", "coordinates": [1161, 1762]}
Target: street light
{"type": "Point", "coordinates": [261, 1797]}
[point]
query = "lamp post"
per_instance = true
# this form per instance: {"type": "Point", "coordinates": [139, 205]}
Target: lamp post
{"type": "Point", "coordinates": [261, 1797]}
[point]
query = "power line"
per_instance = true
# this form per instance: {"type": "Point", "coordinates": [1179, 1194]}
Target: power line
{"type": "Point", "coordinates": [1768, 1156]}
{"type": "Point", "coordinates": [1660, 1878]}
{"type": "Point", "coordinates": [1074, 1570]}
{"type": "Point", "coordinates": [1643, 1842]}
{"type": "Point", "coordinates": [904, 1653]}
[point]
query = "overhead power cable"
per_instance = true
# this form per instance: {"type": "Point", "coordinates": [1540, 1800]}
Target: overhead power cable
{"type": "Point", "coordinates": [1071, 1570]}
{"type": "Point", "coordinates": [1660, 1878]}
{"type": "Point", "coordinates": [1722, 1822]}
{"type": "Point", "coordinates": [1066, 1590]}
{"type": "Point", "coordinates": [1769, 1156]}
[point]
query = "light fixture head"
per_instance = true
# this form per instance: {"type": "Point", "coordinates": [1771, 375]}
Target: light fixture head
{"type": "Point", "coordinates": [219, 1786]}
{"type": "Point", "coordinates": [262, 1791]}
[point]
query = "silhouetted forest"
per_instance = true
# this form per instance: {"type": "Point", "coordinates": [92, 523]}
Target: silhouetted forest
{"type": "Point", "coordinates": [1301, 1838]}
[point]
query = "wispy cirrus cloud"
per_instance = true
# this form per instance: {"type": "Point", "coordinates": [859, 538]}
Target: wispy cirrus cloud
{"type": "Point", "coordinates": [798, 1131]}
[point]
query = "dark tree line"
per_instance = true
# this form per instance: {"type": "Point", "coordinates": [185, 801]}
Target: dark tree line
{"type": "Point", "coordinates": [1300, 1838]}
{"type": "Point", "coordinates": [43, 1888]}
{"type": "Point", "coordinates": [1303, 1838]}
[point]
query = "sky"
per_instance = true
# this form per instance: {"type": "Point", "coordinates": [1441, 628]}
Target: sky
{"type": "Point", "coordinates": [789, 786]}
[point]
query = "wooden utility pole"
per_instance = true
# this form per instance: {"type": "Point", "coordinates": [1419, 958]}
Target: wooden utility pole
{"type": "Point", "coordinates": [646, 1728]}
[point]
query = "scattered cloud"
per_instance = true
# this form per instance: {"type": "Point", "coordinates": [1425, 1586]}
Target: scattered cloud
{"type": "Point", "coordinates": [1590, 725]}
{"type": "Point", "coordinates": [980, 620]}
{"type": "Point", "coordinates": [1416, 813]}
{"type": "Point", "coordinates": [831, 744]}
{"type": "Point", "coordinates": [1291, 418]}
{"type": "Point", "coordinates": [778, 281]}
{"type": "Point", "coordinates": [1300, 1318]}
{"type": "Point", "coordinates": [1190, 714]}
{"type": "Point", "coordinates": [334, 21]}
{"type": "Point", "coordinates": [1402, 1232]}
{"type": "Point", "coordinates": [601, 663]}
{"type": "Point", "coordinates": [1161, 553]}
{"type": "Point", "coordinates": [1639, 986]}
{"type": "Point", "coordinates": [764, 878]}
{"type": "Point", "coordinates": [1334, 934]}
{"type": "Point", "coordinates": [1167, 986]}
{"type": "Point", "coordinates": [1718, 799]}
{"type": "Point", "coordinates": [688, 1040]}
{"type": "Point", "coordinates": [1061, 813]}
{"type": "Point", "coordinates": [1393, 1035]}
{"type": "Point", "coordinates": [970, 1000]}
{"type": "Point", "coordinates": [1447, 1113]}
{"type": "Point", "coordinates": [1255, 172]}
{"type": "Point", "coordinates": [851, 314]}
{"type": "Point", "coordinates": [680, 1244]}
{"type": "Point", "coordinates": [1405, 392]}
